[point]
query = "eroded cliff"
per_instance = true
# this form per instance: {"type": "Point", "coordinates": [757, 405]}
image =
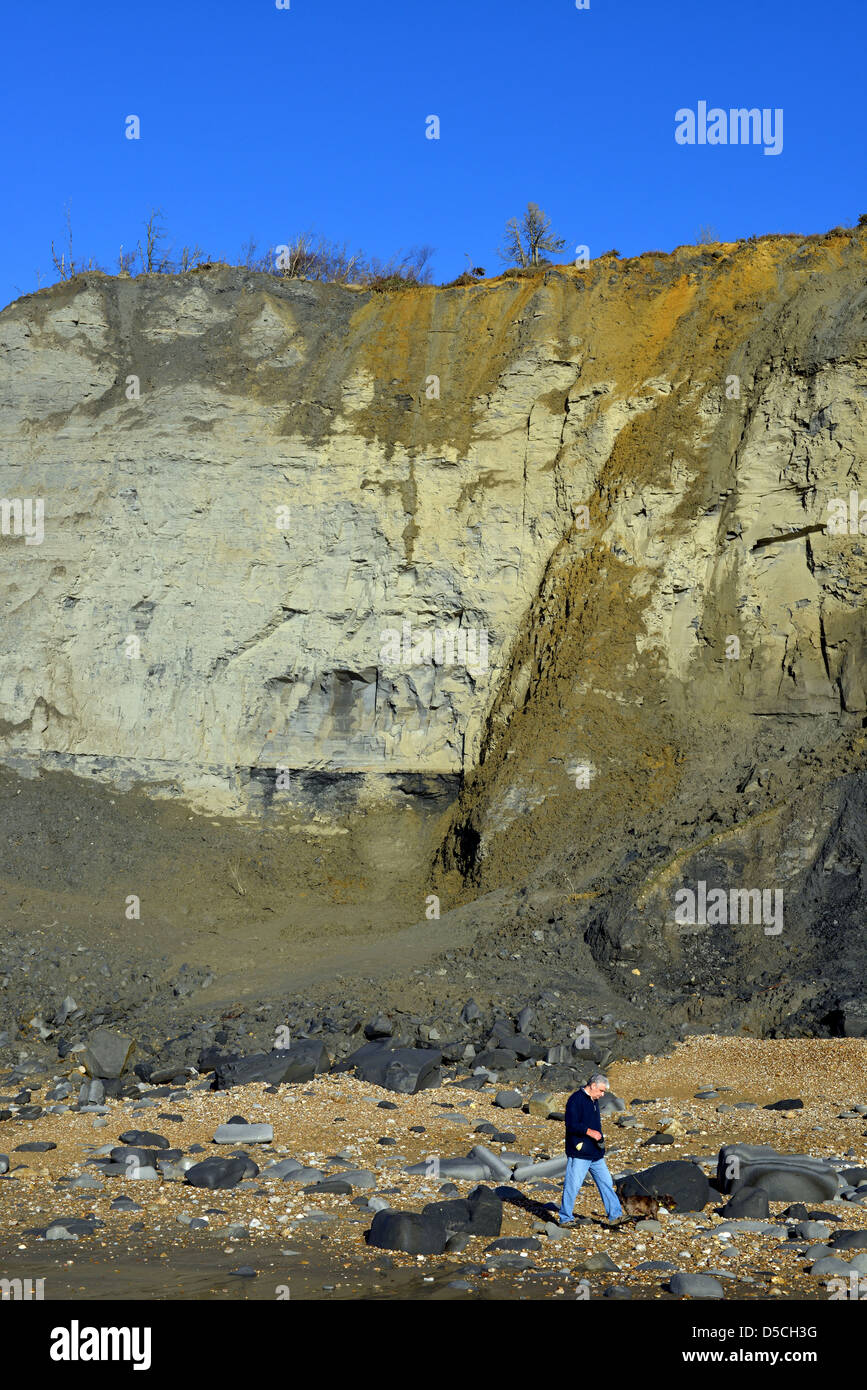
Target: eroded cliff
{"type": "Point", "coordinates": [608, 490]}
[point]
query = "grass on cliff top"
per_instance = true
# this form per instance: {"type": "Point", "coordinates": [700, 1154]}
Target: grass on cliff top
{"type": "Point", "coordinates": [314, 258]}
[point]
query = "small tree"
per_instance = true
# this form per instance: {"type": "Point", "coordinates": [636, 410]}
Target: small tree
{"type": "Point", "coordinates": [125, 261]}
{"type": "Point", "coordinates": [527, 237]}
{"type": "Point", "coordinates": [154, 260]}
{"type": "Point", "coordinates": [64, 262]}
{"type": "Point", "coordinates": [191, 257]}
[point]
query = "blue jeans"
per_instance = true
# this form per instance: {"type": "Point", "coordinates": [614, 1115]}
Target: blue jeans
{"type": "Point", "coordinates": [576, 1171]}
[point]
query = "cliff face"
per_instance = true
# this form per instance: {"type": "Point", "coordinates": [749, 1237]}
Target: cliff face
{"type": "Point", "coordinates": [609, 490]}
{"type": "Point", "coordinates": [278, 502]}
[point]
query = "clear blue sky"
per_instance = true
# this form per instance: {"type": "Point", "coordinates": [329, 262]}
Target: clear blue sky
{"type": "Point", "coordinates": [262, 121]}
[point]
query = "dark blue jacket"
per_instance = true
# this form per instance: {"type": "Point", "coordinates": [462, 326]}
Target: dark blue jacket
{"type": "Point", "coordinates": [582, 1114]}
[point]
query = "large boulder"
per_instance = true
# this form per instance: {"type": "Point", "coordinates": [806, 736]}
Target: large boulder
{"type": "Point", "coordinates": [302, 1176]}
{"type": "Point", "coordinates": [300, 1062]}
{"type": "Point", "coordinates": [407, 1231]}
{"type": "Point", "coordinates": [849, 1240]}
{"type": "Point", "coordinates": [784, 1177]}
{"type": "Point", "coordinates": [496, 1059]}
{"type": "Point", "coordinates": [217, 1172]}
{"type": "Point", "coordinates": [459, 1169]}
{"type": "Point", "coordinates": [503, 1037]}
{"type": "Point", "coordinates": [589, 1052]}
{"type": "Point", "coordinates": [107, 1054]}
{"type": "Point", "coordinates": [541, 1104]}
{"type": "Point", "coordinates": [854, 1176]}
{"type": "Point", "coordinates": [748, 1201]}
{"type": "Point", "coordinates": [279, 1170]}
{"type": "Point", "coordinates": [402, 1069]}
{"type": "Point", "coordinates": [679, 1180]}
{"type": "Point", "coordinates": [243, 1134]}
{"type": "Point", "coordinates": [480, 1214]}
{"type": "Point", "coordinates": [379, 1027]}
{"type": "Point", "coordinates": [156, 1073]}
{"type": "Point", "coordinates": [146, 1137]}
{"type": "Point", "coordinates": [695, 1286]}
{"type": "Point", "coordinates": [134, 1155]}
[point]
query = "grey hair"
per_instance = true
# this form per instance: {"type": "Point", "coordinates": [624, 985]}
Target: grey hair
{"type": "Point", "coordinates": [597, 1079]}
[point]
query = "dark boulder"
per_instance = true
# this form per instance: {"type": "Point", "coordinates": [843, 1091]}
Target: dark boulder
{"type": "Point", "coordinates": [300, 1062]}
{"type": "Point", "coordinates": [217, 1172]}
{"type": "Point", "coordinates": [407, 1231]}
{"type": "Point", "coordinates": [496, 1059]}
{"type": "Point", "coordinates": [849, 1240]}
{"type": "Point", "coordinates": [480, 1214]}
{"type": "Point", "coordinates": [136, 1156]}
{"type": "Point", "coordinates": [405, 1070]}
{"type": "Point", "coordinates": [379, 1027]}
{"type": "Point", "coordinates": [679, 1180]}
{"type": "Point", "coordinates": [854, 1176]}
{"type": "Point", "coordinates": [747, 1201]}
{"type": "Point", "coordinates": [145, 1138]}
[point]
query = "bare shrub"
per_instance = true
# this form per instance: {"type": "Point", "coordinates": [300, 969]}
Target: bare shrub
{"type": "Point", "coordinates": [192, 257]}
{"type": "Point", "coordinates": [297, 259]}
{"type": "Point", "coordinates": [308, 256]}
{"type": "Point", "coordinates": [399, 271]}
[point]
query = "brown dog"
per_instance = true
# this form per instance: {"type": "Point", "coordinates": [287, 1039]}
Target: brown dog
{"type": "Point", "coordinates": [641, 1205]}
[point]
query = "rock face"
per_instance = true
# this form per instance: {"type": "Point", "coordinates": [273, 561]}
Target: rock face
{"type": "Point", "coordinates": [230, 556]}
{"type": "Point", "coordinates": [262, 480]}
{"type": "Point", "coordinates": [626, 498]}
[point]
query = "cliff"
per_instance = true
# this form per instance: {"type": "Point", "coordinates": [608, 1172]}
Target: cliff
{"type": "Point", "coordinates": [607, 493]}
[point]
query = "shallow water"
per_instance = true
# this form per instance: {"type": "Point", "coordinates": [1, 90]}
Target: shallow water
{"type": "Point", "coordinates": [77, 1273]}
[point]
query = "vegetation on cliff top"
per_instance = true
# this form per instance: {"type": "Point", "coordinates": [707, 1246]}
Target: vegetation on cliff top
{"type": "Point", "coordinates": [311, 256]}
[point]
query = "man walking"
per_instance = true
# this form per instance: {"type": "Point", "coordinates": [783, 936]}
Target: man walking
{"type": "Point", "coordinates": [585, 1151]}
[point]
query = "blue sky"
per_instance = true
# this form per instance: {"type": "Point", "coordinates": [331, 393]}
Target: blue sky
{"type": "Point", "coordinates": [265, 122]}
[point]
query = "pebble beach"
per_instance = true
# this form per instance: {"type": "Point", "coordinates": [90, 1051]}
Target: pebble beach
{"type": "Point", "coordinates": [145, 1231]}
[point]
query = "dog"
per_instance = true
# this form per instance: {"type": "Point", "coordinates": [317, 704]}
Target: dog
{"type": "Point", "coordinates": [644, 1205]}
